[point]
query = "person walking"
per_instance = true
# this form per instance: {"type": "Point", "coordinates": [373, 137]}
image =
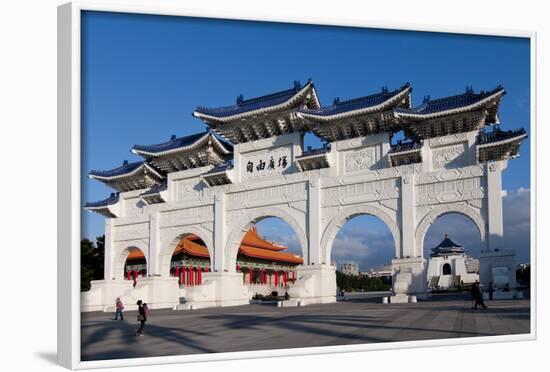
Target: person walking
{"type": "Point", "coordinates": [477, 294]}
{"type": "Point", "coordinates": [141, 318]}
{"type": "Point", "coordinates": [474, 294]}
{"type": "Point", "coordinates": [119, 306]}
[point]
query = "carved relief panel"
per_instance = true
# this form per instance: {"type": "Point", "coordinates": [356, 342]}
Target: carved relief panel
{"type": "Point", "coordinates": [359, 160]}
{"type": "Point", "coordinates": [133, 206]}
{"type": "Point", "coordinates": [361, 192]}
{"type": "Point", "coordinates": [187, 216]}
{"type": "Point", "coordinates": [131, 232]}
{"type": "Point", "coordinates": [450, 156]}
{"type": "Point", "coordinates": [189, 189]}
{"type": "Point", "coordinates": [451, 191]}
{"type": "Point", "coordinates": [267, 196]}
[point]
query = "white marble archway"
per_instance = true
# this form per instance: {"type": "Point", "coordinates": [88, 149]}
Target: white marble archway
{"type": "Point", "coordinates": [249, 219]}
{"type": "Point", "coordinates": [472, 214]}
{"type": "Point", "coordinates": [172, 238]}
{"type": "Point", "coordinates": [348, 213]}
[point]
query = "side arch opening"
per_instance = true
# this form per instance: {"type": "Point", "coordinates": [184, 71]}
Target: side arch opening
{"type": "Point", "coordinates": [453, 243]}
{"type": "Point", "coordinates": [362, 250]}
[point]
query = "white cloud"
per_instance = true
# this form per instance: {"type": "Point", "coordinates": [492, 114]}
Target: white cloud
{"type": "Point", "coordinates": [369, 245]}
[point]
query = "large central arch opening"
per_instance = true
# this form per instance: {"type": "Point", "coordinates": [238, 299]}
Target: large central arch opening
{"type": "Point", "coordinates": [362, 252]}
{"type": "Point", "coordinates": [268, 256]}
{"type": "Point", "coordinates": [452, 245]}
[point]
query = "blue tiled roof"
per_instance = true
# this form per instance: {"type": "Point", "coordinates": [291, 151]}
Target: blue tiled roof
{"type": "Point", "coordinates": [447, 243]}
{"type": "Point", "coordinates": [355, 103]}
{"type": "Point", "coordinates": [498, 135]}
{"type": "Point", "coordinates": [112, 199]}
{"type": "Point", "coordinates": [447, 246]}
{"type": "Point", "coordinates": [449, 103]}
{"type": "Point", "coordinates": [243, 105]}
{"type": "Point", "coordinates": [123, 169]}
{"type": "Point", "coordinates": [157, 188]}
{"type": "Point", "coordinates": [405, 146]}
{"type": "Point", "coordinates": [174, 143]}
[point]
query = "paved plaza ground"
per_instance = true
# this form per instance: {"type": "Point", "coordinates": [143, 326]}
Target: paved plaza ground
{"type": "Point", "coordinates": [259, 327]}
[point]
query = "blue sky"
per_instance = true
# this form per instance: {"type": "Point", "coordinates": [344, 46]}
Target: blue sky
{"type": "Point", "coordinates": [144, 75]}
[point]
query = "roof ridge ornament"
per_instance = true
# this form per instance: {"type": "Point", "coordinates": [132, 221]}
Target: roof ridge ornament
{"type": "Point", "coordinates": [385, 89]}
{"type": "Point", "coordinates": [172, 137]}
{"type": "Point", "coordinates": [124, 162]}
{"type": "Point", "coordinates": [297, 85]}
{"type": "Point", "coordinates": [336, 101]}
{"type": "Point", "coordinates": [426, 99]}
{"type": "Point", "coordinates": [240, 99]}
{"type": "Point", "coordinates": [470, 89]}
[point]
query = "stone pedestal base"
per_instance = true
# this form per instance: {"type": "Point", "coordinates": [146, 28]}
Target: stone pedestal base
{"type": "Point", "coordinates": [293, 302]}
{"type": "Point", "coordinates": [498, 267]}
{"type": "Point", "coordinates": [409, 279]}
{"type": "Point", "coordinates": [218, 290]}
{"type": "Point", "coordinates": [157, 292]}
{"type": "Point", "coordinates": [401, 299]}
{"type": "Point", "coordinates": [510, 295]}
{"type": "Point", "coordinates": [315, 284]}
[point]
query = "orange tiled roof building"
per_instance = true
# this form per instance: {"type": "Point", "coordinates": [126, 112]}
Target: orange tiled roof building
{"type": "Point", "coordinates": [262, 262]}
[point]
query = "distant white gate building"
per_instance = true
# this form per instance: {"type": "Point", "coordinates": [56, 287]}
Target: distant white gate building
{"type": "Point", "coordinates": [251, 164]}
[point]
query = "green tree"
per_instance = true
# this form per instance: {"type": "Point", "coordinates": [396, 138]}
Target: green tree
{"type": "Point", "coordinates": [523, 275]}
{"type": "Point", "coordinates": [100, 257]}
{"type": "Point", "coordinates": [350, 283]}
{"type": "Point", "coordinates": [87, 263]}
{"type": "Point", "coordinates": [92, 258]}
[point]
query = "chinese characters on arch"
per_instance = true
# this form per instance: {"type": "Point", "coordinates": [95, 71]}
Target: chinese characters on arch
{"type": "Point", "coordinates": [270, 164]}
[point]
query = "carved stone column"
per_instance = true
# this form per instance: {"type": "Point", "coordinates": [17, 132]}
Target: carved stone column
{"type": "Point", "coordinates": [497, 263]}
{"type": "Point", "coordinates": [314, 223]}
{"type": "Point", "coordinates": [408, 218]}
{"type": "Point", "coordinates": [494, 205]}
{"type": "Point", "coordinates": [154, 246]}
{"type": "Point", "coordinates": [108, 273]}
{"type": "Point", "coordinates": [219, 233]}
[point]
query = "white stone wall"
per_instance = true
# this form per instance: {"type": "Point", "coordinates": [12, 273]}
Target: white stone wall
{"type": "Point", "coordinates": [317, 203]}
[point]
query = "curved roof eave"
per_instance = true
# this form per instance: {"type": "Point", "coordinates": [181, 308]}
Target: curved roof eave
{"type": "Point", "coordinates": [357, 112]}
{"type": "Point", "coordinates": [124, 175]}
{"type": "Point", "coordinates": [208, 135]}
{"type": "Point", "coordinates": [453, 111]}
{"type": "Point", "coordinates": [287, 103]}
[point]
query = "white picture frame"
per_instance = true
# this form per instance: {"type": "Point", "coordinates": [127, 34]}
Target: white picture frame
{"type": "Point", "coordinates": [69, 181]}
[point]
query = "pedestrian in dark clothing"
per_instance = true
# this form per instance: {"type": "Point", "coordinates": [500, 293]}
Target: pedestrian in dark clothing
{"type": "Point", "coordinates": [474, 294]}
{"type": "Point", "coordinates": [142, 318]}
{"type": "Point", "coordinates": [477, 295]}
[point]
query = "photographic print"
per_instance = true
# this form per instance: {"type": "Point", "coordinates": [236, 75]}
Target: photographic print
{"type": "Point", "coordinates": [253, 185]}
